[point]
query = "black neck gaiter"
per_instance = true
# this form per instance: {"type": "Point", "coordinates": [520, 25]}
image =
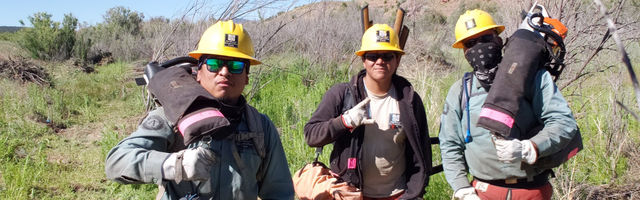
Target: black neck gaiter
{"type": "Point", "coordinates": [484, 58]}
{"type": "Point", "coordinates": [233, 113]}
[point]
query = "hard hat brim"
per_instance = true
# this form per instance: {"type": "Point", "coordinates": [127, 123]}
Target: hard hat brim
{"type": "Point", "coordinates": [197, 53]}
{"type": "Point", "coordinates": [458, 44]}
{"type": "Point", "coordinates": [363, 51]}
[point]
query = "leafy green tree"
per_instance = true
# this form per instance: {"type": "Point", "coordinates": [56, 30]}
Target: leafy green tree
{"type": "Point", "coordinates": [49, 40]}
{"type": "Point", "coordinates": [122, 20]}
{"type": "Point", "coordinates": [66, 36]}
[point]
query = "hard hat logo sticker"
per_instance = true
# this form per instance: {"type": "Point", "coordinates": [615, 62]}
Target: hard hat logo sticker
{"type": "Point", "coordinates": [382, 36]}
{"type": "Point", "coordinates": [470, 24]}
{"type": "Point", "coordinates": [231, 40]}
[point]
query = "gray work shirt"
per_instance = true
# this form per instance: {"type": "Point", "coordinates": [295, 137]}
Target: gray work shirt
{"type": "Point", "coordinates": [545, 106]}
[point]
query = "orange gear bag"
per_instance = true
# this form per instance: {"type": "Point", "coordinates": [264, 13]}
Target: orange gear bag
{"type": "Point", "coordinates": [316, 181]}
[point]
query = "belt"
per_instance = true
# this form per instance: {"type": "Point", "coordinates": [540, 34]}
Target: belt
{"type": "Point", "coordinates": [520, 183]}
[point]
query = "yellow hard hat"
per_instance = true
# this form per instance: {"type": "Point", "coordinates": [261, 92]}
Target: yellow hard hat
{"type": "Point", "coordinates": [226, 38]}
{"type": "Point", "coordinates": [473, 22]}
{"type": "Point", "coordinates": [379, 37]}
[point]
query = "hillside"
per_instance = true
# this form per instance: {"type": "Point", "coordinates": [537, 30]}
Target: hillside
{"type": "Point", "coordinates": [54, 137]}
{"type": "Point", "coordinates": [10, 29]}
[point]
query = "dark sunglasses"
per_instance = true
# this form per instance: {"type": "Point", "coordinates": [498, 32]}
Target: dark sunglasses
{"type": "Point", "coordinates": [484, 38]}
{"type": "Point", "coordinates": [374, 56]}
{"type": "Point", "coordinates": [234, 66]}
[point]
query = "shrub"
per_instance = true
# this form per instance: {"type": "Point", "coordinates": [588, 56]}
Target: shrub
{"type": "Point", "coordinates": [120, 34]}
{"type": "Point", "coordinates": [82, 47]}
{"type": "Point", "coordinates": [122, 20]}
{"type": "Point", "coordinates": [49, 40]}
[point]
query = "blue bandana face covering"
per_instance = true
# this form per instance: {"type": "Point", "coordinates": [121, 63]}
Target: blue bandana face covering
{"type": "Point", "coordinates": [484, 58]}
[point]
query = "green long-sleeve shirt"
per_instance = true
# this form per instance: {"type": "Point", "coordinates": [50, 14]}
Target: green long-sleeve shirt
{"type": "Point", "coordinates": [139, 157]}
{"type": "Point", "coordinates": [544, 105]}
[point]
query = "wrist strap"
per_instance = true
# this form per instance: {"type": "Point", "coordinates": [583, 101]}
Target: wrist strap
{"type": "Point", "coordinates": [178, 166]}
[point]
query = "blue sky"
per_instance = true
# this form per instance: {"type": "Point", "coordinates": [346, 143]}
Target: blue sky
{"type": "Point", "coordinates": [92, 11]}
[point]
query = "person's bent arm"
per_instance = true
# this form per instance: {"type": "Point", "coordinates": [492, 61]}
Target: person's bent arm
{"type": "Point", "coordinates": [553, 110]}
{"type": "Point", "coordinates": [139, 157]}
{"type": "Point", "coordinates": [326, 124]}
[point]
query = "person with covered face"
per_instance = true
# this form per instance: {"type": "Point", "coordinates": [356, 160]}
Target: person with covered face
{"type": "Point", "coordinates": [502, 168]}
{"type": "Point", "coordinates": [376, 123]}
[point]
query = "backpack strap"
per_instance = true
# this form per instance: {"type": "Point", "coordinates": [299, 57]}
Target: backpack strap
{"type": "Point", "coordinates": [255, 134]}
{"type": "Point", "coordinates": [254, 122]}
{"type": "Point", "coordinates": [466, 83]}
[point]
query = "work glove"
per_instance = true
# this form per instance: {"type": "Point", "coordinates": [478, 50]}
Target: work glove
{"type": "Point", "coordinates": [468, 193]}
{"type": "Point", "coordinates": [514, 150]}
{"type": "Point", "coordinates": [189, 165]}
{"type": "Point", "coordinates": [357, 115]}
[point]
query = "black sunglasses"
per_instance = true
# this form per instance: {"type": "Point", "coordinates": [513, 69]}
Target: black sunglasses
{"type": "Point", "coordinates": [374, 56]}
{"type": "Point", "coordinates": [234, 66]}
{"type": "Point", "coordinates": [484, 38]}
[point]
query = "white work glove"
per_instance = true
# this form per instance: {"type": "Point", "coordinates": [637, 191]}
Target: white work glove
{"type": "Point", "coordinates": [468, 193]}
{"type": "Point", "coordinates": [515, 151]}
{"type": "Point", "coordinates": [189, 165]}
{"type": "Point", "coordinates": [357, 115]}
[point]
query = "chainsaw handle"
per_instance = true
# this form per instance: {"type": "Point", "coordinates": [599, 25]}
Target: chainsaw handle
{"type": "Point", "coordinates": [179, 61]}
{"type": "Point", "coordinates": [547, 31]}
{"type": "Point", "coordinates": [557, 65]}
{"type": "Point", "coordinates": [154, 67]}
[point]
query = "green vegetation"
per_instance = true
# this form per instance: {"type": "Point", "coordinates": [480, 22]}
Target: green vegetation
{"type": "Point", "coordinates": [47, 39]}
{"type": "Point", "coordinates": [39, 158]}
{"type": "Point", "coordinates": [99, 110]}
{"type": "Point", "coordinates": [120, 34]}
{"type": "Point", "coordinates": [53, 140]}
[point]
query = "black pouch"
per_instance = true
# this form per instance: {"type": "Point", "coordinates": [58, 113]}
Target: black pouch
{"type": "Point", "coordinates": [524, 54]}
{"type": "Point", "coordinates": [187, 105]}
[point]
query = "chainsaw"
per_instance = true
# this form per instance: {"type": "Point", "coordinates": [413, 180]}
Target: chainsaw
{"type": "Point", "coordinates": [553, 31]}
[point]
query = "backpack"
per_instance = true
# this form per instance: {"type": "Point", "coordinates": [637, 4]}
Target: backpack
{"type": "Point", "coordinates": [543, 163]}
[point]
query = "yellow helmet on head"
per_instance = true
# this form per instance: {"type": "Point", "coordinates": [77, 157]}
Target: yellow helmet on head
{"type": "Point", "coordinates": [226, 38]}
{"type": "Point", "coordinates": [473, 22]}
{"type": "Point", "coordinates": [379, 37]}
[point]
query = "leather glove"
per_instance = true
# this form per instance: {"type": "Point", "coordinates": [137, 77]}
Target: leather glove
{"type": "Point", "coordinates": [189, 165]}
{"type": "Point", "coordinates": [468, 193]}
{"type": "Point", "coordinates": [514, 150]}
{"type": "Point", "coordinates": [357, 115]}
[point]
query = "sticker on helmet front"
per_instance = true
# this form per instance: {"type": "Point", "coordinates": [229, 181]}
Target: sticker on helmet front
{"type": "Point", "coordinates": [382, 36]}
{"type": "Point", "coordinates": [230, 40]}
{"type": "Point", "coordinates": [470, 24]}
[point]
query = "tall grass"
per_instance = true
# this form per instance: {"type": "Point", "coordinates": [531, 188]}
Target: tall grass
{"type": "Point", "coordinates": [289, 95]}
{"type": "Point", "coordinates": [39, 156]}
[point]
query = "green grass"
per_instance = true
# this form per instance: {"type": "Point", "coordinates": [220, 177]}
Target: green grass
{"type": "Point", "coordinates": [290, 95]}
{"type": "Point", "coordinates": [35, 161]}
